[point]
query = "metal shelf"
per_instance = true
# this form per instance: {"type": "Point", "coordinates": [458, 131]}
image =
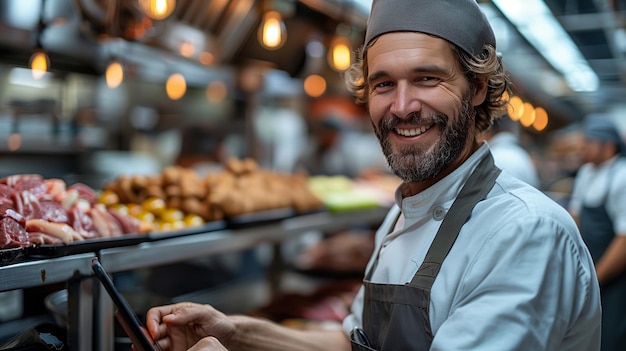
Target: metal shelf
{"type": "Point", "coordinates": [47, 271]}
{"type": "Point", "coordinates": [179, 249]}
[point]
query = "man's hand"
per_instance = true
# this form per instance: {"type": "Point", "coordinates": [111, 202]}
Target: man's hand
{"type": "Point", "coordinates": [179, 327]}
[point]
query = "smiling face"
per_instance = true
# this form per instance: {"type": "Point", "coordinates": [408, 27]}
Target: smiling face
{"type": "Point", "coordinates": [421, 106]}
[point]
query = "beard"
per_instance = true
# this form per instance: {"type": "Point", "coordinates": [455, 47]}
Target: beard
{"type": "Point", "coordinates": [419, 163]}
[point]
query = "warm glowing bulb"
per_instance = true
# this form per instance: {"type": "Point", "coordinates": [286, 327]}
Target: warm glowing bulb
{"type": "Point", "coordinates": [157, 9]}
{"type": "Point", "coordinates": [114, 74]}
{"type": "Point", "coordinates": [515, 108]}
{"type": "Point", "coordinates": [340, 54]}
{"type": "Point", "coordinates": [272, 33]}
{"type": "Point", "coordinates": [314, 85]}
{"type": "Point", "coordinates": [39, 64]}
{"type": "Point", "coordinates": [528, 117]}
{"type": "Point", "coordinates": [541, 119]}
{"type": "Point", "coordinates": [176, 86]}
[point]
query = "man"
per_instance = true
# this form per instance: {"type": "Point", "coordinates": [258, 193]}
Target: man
{"type": "Point", "coordinates": [468, 258]}
{"type": "Point", "coordinates": [598, 203]}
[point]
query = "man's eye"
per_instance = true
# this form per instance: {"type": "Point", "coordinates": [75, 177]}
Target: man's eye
{"type": "Point", "coordinates": [383, 84]}
{"type": "Point", "coordinates": [428, 80]}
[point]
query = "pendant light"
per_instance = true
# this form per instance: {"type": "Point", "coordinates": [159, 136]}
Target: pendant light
{"type": "Point", "coordinates": [340, 48]}
{"type": "Point", "coordinates": [175, 86]}
{"type": "Point", "coordinates": [39, 62]}
{"type": "Point", "coordinates": [340, 53]}
{"type": "Point", "coordinates": [114, 74]}
{"type": "Point", "coordinates": [157, 9]}
{"type": "Point", "coordinates": [272, 33]}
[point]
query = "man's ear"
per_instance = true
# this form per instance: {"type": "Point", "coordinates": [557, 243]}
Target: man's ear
{"type": "Point", "coordinates": [480, 92]}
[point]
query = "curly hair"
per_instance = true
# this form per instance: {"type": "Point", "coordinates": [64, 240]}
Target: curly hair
{"type": "Point", "coordinates": [488, 63]}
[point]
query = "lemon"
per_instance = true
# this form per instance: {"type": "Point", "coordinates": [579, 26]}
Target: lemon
{"type": "Point", "coordinates": [192, 220]}
{"type": "Point", "coordinates": [108, 198]}
{"type": "Point", "coordinates": [145, 216]}
{"type": "Point", "coordinates": [154, 205]}
{"type": "Point", "coordinates": [171, 215]}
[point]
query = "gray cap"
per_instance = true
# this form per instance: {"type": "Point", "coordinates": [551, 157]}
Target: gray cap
{"type": "Point", "coordinates": [603, 129]}
{"type": "Point", "coordinates": [460, 22]}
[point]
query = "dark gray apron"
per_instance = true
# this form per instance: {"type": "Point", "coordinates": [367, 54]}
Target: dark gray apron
{"type": "Point", "coordinates": [395, 317]}
{"type": "Point", "coordinates": [596, 228]}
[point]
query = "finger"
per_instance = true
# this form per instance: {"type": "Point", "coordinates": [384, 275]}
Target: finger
{"type": "Point", "coordinates": [185, 313]}
{"type": "Point", "coordinates": [154, 319]}
{"type": "Point", "coordinates": [165, 343]}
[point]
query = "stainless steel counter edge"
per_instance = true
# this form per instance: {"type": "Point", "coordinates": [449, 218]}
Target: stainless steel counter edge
{"type": "Point", "coordinates": [193, 246]}
{"type": "Point", "coordinates": [41, 272]}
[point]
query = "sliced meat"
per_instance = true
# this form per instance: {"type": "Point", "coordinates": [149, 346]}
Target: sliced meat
{"type": "Point", "coordinates": [12, 234]}
{"type": "Point", "coordinates": [84, 192]}
{"type": "Point", "coordinates": [129, 224]}
{"type": "Point", "coordinates": [83, 223]}
{"type": "Point", "coordinates": [13, 180]}
{"type": "Point", "coordinates": [8, 211]}
{"type": "Point", "coordinates": [53, 211]}
{"type": "Point", "coordinates": [55, 186]}
{"type": "Point", "coordinates": [67, 198]}
{"type": "Point", "coordinates": [106, 225]}
{"type": "Point", "coordinates": [5, 195]}
{"type": "Point", "coordinates": [63, 231]}
{"type": "Point", "coordinates": [39, 238]}
{"type": "Point", "coordinates": [31, 183]}
{"type": "Point", "coordinates": [27, 204]}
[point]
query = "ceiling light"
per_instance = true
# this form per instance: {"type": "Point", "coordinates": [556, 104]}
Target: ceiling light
{"type": "Point", "coordinates": [157, 9]}
{"type": "Point", "coordinates": [39, 63]}
{"type": "Point", "coordinates": [272, 33]}
{"type": "Point", "coordinates": [534, 20]}
{"type": "Point", "coordinates": [114, 74]}
{"type": "Point", "coordinates": [176, 86]}
{"type": "Point", "coordinates": [541, 119]}
{"type": "Point", "coordinates": [528, 115]}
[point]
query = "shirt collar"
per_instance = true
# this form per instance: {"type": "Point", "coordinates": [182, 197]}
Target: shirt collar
{"type": "Point", "coordinates": [442, 192]}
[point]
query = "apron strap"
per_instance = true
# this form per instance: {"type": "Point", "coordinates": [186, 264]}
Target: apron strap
{"type": "Point", "coordinates": [475, 189]}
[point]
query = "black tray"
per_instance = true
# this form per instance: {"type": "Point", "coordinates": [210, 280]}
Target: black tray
{"type": "Point", "coordinates": [94, 245]}
{"type": "Point", "coordinates": [207, 227]}
{"type": "Point", "coordinates": [11, 256]}
{"type": "Point", "coordinates": [85, 246]}
{"type": "Point", "coordinates": [260, 217]}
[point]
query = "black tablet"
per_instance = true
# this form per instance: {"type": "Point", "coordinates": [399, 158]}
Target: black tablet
{"type": "Point", "coordinates": [124, 314]}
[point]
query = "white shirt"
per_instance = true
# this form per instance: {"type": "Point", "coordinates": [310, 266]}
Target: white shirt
{"type": "Point", "coordinates": [518, 277]}
{"type": "Point", "coordinates": [509, 156]}
{"type": "Point", "coordinates": [591, 188]}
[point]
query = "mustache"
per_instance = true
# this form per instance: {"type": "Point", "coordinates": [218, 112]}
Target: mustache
{"type": "Point", "coordinates": [390, 124]}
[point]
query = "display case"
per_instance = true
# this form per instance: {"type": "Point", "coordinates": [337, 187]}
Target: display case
{"type": "Point", "coordinates": [90, 314]}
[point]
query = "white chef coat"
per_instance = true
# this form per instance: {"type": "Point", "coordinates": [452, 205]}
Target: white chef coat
{"type": "Point", "coordinates": [591, 188]}
{"type": "Point", "coordinates": [519, 277]}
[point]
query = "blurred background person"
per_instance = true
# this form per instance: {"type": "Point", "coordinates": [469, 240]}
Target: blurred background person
{"type": "Point", "coordinates": [327, 152]}
{"type": "Point", "coordinates": [598, 204]}
{"type": "Point", "coordinates": [508, 154]}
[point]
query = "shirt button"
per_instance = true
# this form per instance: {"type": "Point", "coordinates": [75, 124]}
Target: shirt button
{"type": "Point", "coordinates": [439, 213]}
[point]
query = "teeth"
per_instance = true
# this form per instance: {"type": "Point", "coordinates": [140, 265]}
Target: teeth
{"type": "Point", "coordinates": [413, 131]}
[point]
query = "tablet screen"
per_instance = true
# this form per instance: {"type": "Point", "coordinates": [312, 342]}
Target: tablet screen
{"type": "Point", "coordinates": [124, 314]}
